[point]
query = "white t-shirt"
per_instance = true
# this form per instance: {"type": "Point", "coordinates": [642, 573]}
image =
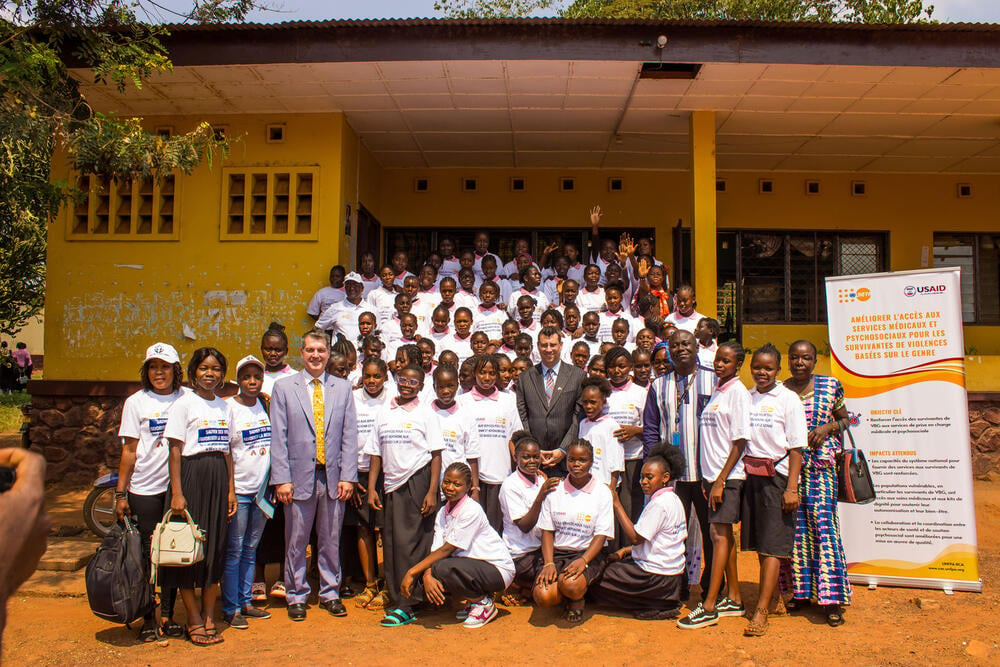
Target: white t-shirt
{"type": "Point", "coordinates": [607, 320]}
{"type": "Point", "coordinates": [576, 516]}
{"type": "Point", "coordinates": [489, 321]}
{"type": "Point", "coordinates": [450, 266]}
{"type": "Point", "coordinates": [517, 495]}
{"type": "Point", "coordinates": [458, 432]}
{"type": "Point", "coordinates": [686, 323]}
{"type": "Point", "coordinates": [590, 302]}
{"type": "Point", "coordinates": [609, 456]}
{"type": "Point", "coordinates": [726, 418]}
{"type": "Point", "coordinates": [593, 345]}
{"type": "Point", "coordinates": [382, 302]}
{"type": "Point", "coordinates": [477, 266]}
{"type": "Point", "coordinates": [203, 426]}
{"type": "Point", "coordinates": [422, 309]}
{"type": "Point", "coordinates": [250, 443]}
{"type": "Point", "coordinates": [367, 407]}
{"type": "Point", "coordinates": [144, 417]}
{"type": "Point", "coordinates": [466, 300]}
{"type": "Point", "coordinates": [777, 424]}
{"type": "Point", "coordinates": [531, 330]}
{"type": "Point", "coordinates": [324, 298]}
{"type": "Point", "coordinates": [625, 406]}
{"type": "Point", "coordinates": [462, 347]}
{"type": "Point", "coordinates": [466, 528]}
{"type": "Point", "coordinates": [270, 377]}
{"type": "Point", "coordinates": [368, 285]}
{"type": "Point", "coordinates": [663, 526]}
{"type": "Point", "coordinates": [496, 419]}
{"type": "Point", "coordinates": [403, 437]}
{"type": "Point", "coordinates": [342, 318]}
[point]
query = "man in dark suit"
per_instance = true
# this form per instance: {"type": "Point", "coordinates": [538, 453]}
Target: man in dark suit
{"type": "Point", "coordinates": [314, 467]}
{"type": "Point", "coordinates": [548, 398]}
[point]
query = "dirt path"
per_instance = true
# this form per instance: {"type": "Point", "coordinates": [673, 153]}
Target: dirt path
{"type": "Point", "coordinates": [883, 627]}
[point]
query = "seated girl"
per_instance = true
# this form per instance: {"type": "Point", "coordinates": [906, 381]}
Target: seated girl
{"type": "Point", "coordinates": [468, 560]}
{"type": "Point", "coordinates": [576, 519]}
{"type": "Point", "coordinates": [646, 578]}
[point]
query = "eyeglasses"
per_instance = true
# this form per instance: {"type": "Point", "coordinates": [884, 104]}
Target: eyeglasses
{"type": "Point", "coordinates": [408, 382]}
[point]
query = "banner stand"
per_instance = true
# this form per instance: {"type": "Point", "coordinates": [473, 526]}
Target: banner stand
{"type": "Point", "coordinates": [896, 344]}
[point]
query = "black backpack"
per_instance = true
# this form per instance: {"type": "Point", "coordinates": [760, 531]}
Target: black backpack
{"type": "Point", "coordinates": [118, 587]}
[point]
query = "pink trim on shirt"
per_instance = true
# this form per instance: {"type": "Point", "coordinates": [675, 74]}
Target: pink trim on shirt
{"type": "Point", "coordinates": [587, 488]}
{"type": "Point", "coordinates": [453, 508]}
{"type": "Point", "coordinates": [729, 383]}
{"type": "Point", "coordinates": [625, 385]}
{"type": "Point", "coordinates": [666, 489]}
{"type": "Point", "coordinates": [478, 395]}
{"type": "Point", "coordinates": [409, 407]}
{"type": "Point", "coordinates": [527, 480]}
{"type": "Point", "coordinates": [450, 410]}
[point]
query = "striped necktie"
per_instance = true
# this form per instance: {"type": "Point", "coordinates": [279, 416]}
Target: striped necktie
{"type": "Point", "coordinates": [550, 383]}
{"type": "Point", "coordinates": [318, 414]}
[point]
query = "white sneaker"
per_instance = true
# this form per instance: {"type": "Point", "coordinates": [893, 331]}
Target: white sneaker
{"type": "Point", "coordinates": [258, 592]}
{"type": "Point", "coordinates": [481, 613]}
{"type": "Point", "coordinates": [278, 590]}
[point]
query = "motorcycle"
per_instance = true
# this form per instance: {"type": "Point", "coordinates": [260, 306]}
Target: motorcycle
{"type": "Point", "coordinates": [99, 507]}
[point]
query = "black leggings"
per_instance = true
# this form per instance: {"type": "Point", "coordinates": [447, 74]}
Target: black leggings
{"type": "Point", "coordinates": [148, 511]}
{"type": "Point", "coordinates": [691, 494]}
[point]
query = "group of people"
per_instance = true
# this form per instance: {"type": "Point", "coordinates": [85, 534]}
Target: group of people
{"type": "Point", "coordinates": [551, 447]}
{"type": "Point", "coordinates": [15, 367]}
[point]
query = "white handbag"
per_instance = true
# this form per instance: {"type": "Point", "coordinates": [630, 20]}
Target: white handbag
{"type": "Point", "coordinates": [177, 544]}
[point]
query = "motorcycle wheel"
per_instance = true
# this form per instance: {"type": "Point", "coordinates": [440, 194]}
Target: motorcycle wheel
{"type": "Point", "coordinates": [99, 510]}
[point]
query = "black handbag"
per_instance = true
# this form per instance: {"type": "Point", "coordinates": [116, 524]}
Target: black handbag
{"type": "Point", "coordinates": [854, 479]}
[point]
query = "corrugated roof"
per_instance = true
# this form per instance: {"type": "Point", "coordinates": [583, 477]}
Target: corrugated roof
{"type": "Point", "coordinates": [581, 22]}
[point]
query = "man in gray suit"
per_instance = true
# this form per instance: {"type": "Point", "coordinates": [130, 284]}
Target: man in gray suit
{"type": "Point", "coordinates": [314, 467]}
{"type": "Point", "coordinates": [548, 399]}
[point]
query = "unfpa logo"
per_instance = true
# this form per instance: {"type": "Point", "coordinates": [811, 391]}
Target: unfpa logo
{"type": "Point", "coordinates": [849, 294]}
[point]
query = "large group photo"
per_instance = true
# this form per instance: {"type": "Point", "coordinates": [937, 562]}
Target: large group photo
{"type": "Point", "coordinates": [338, 352]}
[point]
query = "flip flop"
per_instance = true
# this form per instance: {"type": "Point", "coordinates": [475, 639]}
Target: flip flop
{"type": "Point", "coordinates": [197, 635]}
{"type": "Point", "coordinates": [396, 617]}
{"type": "Point", "coordinates": [573, 615]}
{"type": "Point", "coordinates": [172, 629]}
{"type": "Point", "coordinates": [148, 634]}
{"type": "Point", "coordinates": [834, 616]}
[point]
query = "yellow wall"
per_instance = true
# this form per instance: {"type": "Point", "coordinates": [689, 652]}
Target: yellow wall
{"type": "Point", "coordinates": [107, 300]}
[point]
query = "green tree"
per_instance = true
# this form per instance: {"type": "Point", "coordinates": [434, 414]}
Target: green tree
{"type": "Point", "coordinates": [42, 111]}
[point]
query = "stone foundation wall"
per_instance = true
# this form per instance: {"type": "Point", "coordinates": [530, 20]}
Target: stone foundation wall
{"type": "Point", "coordinates": [984, 430]}
{"type": "Point", "coordinates": [78, 435]}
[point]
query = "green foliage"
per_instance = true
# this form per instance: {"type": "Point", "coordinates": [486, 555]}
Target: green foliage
{"type": "Point", "coordinates": [42, 111]}
{"type": "Point", "coordinates": [855, 11]}
{"type": "Point", "coordinates": [11, 416]}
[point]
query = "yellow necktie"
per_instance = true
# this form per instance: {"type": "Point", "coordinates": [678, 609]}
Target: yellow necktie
{"type": "Point", "coordinates": [318, 420]}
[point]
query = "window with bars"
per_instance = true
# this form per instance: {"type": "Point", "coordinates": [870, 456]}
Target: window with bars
{"type": "Point", "coordinates": [132, 210]}
{"type": "Point", "coordinates": [269, 203]}
{"type": "Point", "coordinates": [783, 272]}
{"type": "Point", "coordinates": [978, 256]}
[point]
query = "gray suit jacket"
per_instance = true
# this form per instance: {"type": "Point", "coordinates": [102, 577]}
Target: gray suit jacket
{"type": "Point", "coordinates": [293, 437]}
{"type": "Point", "coordinates": [557, 424]}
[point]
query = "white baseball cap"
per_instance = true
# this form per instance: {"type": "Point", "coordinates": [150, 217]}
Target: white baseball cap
{"type": "Point", "coordinates": [355, 277]}
{"type": "Point", "coordinates": [249, 359]}
{"type": "Point", "coordinates": [164, 352]}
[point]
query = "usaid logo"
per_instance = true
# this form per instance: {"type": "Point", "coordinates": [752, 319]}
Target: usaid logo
{"type": "Point", "coordinates": [924, 290]}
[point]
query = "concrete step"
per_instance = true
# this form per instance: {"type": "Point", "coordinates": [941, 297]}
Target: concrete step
{"type": "Point", "coordinates": [68, 554]}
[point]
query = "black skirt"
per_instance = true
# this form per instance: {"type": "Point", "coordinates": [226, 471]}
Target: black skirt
{"type": "Point", "coordinates": [205, 484]}
{"type": "Point", "coordinates": [766, 529]}
{"type": "Point", "coordinates": [627, 586]}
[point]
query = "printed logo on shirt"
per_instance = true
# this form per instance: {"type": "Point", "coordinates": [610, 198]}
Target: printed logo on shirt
{"type": "Point", "coordinates": [766, 409]}
{"type": "Point", "coordinates": [585, 518]}
{"type": "Point", "coordinates": [214, 435]}
{"type": "Point", "coordinates": [501, 420]}
{"type": "Point", "coordinates": [156, 427]}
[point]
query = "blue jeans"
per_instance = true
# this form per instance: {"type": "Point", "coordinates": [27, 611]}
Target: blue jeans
{"type": "Point", "coordinates": [245, 529]}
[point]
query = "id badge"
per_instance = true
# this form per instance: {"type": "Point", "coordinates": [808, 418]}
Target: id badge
{"type": "Point", "coordinates": [676, 439]}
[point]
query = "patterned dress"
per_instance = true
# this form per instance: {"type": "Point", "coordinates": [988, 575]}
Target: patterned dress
{"type": "Point", "coordinates": [819, 567]}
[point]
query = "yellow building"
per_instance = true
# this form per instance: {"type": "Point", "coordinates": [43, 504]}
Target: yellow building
{"type": "Point", "coordinates": [760, 158]}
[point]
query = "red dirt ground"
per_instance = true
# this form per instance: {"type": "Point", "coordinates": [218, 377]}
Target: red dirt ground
{"type": "Point", "coordinates": [884, 627]}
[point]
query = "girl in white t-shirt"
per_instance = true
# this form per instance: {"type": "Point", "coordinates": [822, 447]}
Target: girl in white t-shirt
{"type": "Point", "coordinates": [250, 446]}
{"type": "Point", "coordinates": [468, 560]}
{"type": "Point", "coordinates": [457, 428]}
{"type": "Point", "coordinates": [625, 406]}
{"type": "Point", "coordinates": [273, 350]}
{"type": "Point", "coordinates": [369, 400]}
{"type": "Point", "coordinates": [576, 519]}
{"type": "Point", "coordinates": [496, 418]}
{"type": "Point", "coordinates": [599, 430]}
{"type": "Point", "coordinates": [772, 461]}
{"type": "Point", "coordinates": [201, 483]}
{"type": "Point", "coordinates": [724, 427]}
{"type": "Point", "coordinates": [521, 496]}
{"type": "Point", "coordinates": [142, 474]}
{"type": "Point", "coordinates": [591, 296]}
{"type": "Point", "coordinates": [647, 576]}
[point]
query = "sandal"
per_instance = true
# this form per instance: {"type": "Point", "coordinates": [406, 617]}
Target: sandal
{"type": "Point", "coordinates": [198, 636]}
{"type": "Point", "coordinates": [149, 634]}
{"type": "Point", "coordinates": [380, 601]}
{"type": "Point", "coordinates": [834, 615]}
{"type": "Point", "coordinates": [514, 599]}
{"type": "Point", "coordinates": [797, 604]}
{"type": "Point", "coordinates": [758, 624]}
{"type": "Point", "coordinates": [396, 617]}
{"type": "Point", "coordinates": [365, 597]}
{"type": "Point", "coordinates": [172, 629]}
{"type": "Point", "coordinates": [573, 615]}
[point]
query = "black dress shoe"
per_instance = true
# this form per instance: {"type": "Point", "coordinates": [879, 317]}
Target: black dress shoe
{"type": "Point", "coordinates": [346, 592]}
{"type": "Point", "coordinates": [297, 612]}
{"type": "Point", "coordinates": [335, 607]}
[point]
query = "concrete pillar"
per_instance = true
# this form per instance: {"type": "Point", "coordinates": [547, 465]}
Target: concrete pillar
{"type": "Point", "coordinates": [703, 217]}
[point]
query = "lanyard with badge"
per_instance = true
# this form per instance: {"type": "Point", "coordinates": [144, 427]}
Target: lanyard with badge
{"type": "Point", "coordinates": [681, 397]}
